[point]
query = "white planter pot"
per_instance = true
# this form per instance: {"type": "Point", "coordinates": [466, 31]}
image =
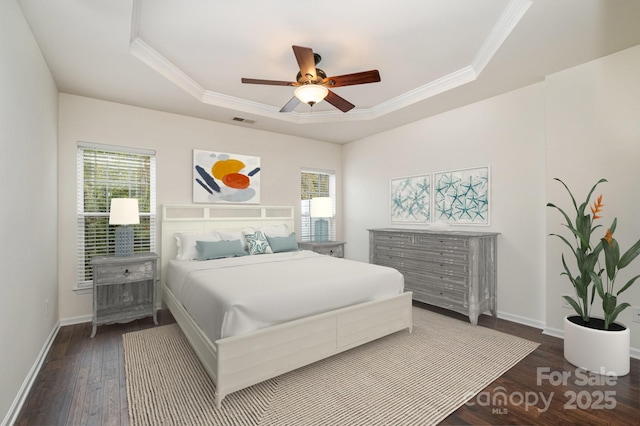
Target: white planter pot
{"type": "Point", "coordinates": [598, 351]}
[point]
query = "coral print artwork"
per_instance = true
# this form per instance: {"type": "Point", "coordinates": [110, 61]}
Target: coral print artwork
{"type": "Point", "coordinates": [225, 178]}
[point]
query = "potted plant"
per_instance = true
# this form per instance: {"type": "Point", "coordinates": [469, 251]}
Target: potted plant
{"type": "Point", "coordinates": [600, 345]}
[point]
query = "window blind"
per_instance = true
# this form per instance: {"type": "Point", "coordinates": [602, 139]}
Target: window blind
{"type": "Point", "coordinates": [105, 173]}
{"type": "Point", "coordinates": [316, 183]}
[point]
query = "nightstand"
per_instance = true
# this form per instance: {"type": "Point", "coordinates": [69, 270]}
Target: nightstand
{"type": "Point", "coordinates": [124, 288]}
{"type": "Point", "coordinates": [332, 248]}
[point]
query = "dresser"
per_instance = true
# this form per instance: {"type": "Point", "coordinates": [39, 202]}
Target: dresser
{"type": "Point", "coordinates": [124, 288]}
{"type": "Point", "coordinates": [331, 248]}
{"type": "Point", "coordinates": [453, 270]}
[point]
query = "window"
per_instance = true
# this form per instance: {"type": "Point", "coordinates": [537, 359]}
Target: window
{"type": "Point", "coordinates": [315, 183]}
{"type": "Point", "coordinates": [106, 172]}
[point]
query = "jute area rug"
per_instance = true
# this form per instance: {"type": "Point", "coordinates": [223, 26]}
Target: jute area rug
{"type": "Point", "coordinates": [402, 379]}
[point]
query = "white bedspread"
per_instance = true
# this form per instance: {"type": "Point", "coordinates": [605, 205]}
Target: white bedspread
{"type": "Point", "coordinates": [233, 296]}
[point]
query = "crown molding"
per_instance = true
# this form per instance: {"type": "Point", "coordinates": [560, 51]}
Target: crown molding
{"type": "Point", "coordinates": [508, 20]}
{"type": "Point", "coordinates": [164, 67]}
{"type": "Point", "coordinates": [510, 17]}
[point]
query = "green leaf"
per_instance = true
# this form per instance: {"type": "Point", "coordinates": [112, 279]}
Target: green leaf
{"type": "Point", "coordinates": [597, 282]}
{"type": "Point", "coordinates": [593, 188]}
{"type": "Point", "coordinates": [630, 255]}
{"type": "Point", "coordinates": [611, 318]}
{"type": "Point", "coordinates": [611, 256]}
{"type": "Point", "coordinates": [566, 217]}
{"type": "Point", "coordinates": [609, 302]}
{"type": "Point", "coordinates": [576, 307]}
{"type": "Point", "coordinates": [575, 206]}
{"type": "Point", "coordinates": [566, 242]}
{"type": "Point", "coordinates": [628, 284]}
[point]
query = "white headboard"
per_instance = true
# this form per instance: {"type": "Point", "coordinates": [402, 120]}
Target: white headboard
{"type": "Point", "coordinates": [204, 218]}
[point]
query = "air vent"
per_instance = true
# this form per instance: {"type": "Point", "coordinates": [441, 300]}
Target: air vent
{"type": "Point", "coordinates": [243, 120]}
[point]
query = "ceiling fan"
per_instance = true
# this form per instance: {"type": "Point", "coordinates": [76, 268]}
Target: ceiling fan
{"type": "Point", "coordinates": [312, 84]}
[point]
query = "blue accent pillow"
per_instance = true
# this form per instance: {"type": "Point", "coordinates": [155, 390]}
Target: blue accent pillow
{"type": "Point", "coordinates": [257, 243]}
{"type": "Point", "coordinates": [219, 249]}
{"type": "Point", "coordinates": [280, 244]}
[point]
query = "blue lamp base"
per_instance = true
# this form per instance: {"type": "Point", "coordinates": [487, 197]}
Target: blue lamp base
{"type": "Point", "coordinates": [124, 241]}
{"type": "Point", "coordinates": [322, 230]}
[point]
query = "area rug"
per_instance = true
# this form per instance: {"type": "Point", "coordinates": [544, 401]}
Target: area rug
{"type": "Point", "coordinates": [406, 378]}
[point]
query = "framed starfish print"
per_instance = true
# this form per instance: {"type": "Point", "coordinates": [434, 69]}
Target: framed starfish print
{"type": "Point", "coordinates": [411, 199]}
{"type": "Point", "coordinates": [462, 197]}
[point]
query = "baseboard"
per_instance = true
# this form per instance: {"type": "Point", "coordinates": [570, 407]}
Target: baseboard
{"type": "Point", "coordinates": [553, 332]}
{"type": "Point", "coordinates": [521, 320]}
{"type": "Point", "coordinates": [18, 402]}
{"type": "Point", "coordinates": [76, 320]}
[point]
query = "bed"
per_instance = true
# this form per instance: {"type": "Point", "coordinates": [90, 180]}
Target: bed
{"type": "Point", "coordinates": [241, 344]}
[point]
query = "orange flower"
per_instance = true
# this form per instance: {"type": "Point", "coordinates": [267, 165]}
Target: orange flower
{"type": "Point", "coordinates": [608, 236]}
{"type": "Point", "coordinates": [597, 207]}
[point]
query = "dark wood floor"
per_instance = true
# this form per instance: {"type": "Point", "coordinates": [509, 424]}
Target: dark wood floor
{"type": "Point", "coordinates": [82, 383]}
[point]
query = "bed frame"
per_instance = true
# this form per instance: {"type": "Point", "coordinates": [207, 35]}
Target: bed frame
{"type": "Point", "coordinates": [238, 362]}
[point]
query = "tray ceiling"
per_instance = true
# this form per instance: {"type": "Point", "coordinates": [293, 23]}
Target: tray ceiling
{"type": "Point", "coordinates": [433, 55]}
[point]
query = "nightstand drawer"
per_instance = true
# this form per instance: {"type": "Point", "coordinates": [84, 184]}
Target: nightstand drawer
{"type": "Point", "coordinates": [123, 273]}
{"type": "Point", "coordinates": [335, 250]}
{"type": "Point", "coordinates": [330, 248]}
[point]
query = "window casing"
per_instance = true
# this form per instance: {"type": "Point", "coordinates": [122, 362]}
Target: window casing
{"type": "Point", "coordinates": [316, 183]}
{"type": "Point", "coordinates": [106, 172]}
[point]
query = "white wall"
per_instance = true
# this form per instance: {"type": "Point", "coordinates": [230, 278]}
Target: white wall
{"type": "Point", "coordinates": [593, 132]}
{"type": "Point", "coordinates": [173, 137]}
{"type": "Point", "coordinates": [580, 125]}
{"type": "Point", "coordinates": [507, 133]}
{"type": "Point", "coordinates": [28, 217]}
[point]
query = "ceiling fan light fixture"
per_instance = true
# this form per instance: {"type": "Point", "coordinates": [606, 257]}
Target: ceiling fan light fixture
{"type": "Point", "coordinates": [311, 93]}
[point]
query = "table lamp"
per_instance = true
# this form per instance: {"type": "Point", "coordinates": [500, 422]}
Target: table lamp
{"type": "Point", "coordinates": [321, 208]}
{"type": "Point", "coordinates": [124, 212]}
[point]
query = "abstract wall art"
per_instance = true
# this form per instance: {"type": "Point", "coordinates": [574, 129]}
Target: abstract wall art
{"type": "Point", "coordinates": [462, 196]}
{"type": "Point", "coordinates": [411, 199]}
{"type": "Point", "coordinates": [225, 178]}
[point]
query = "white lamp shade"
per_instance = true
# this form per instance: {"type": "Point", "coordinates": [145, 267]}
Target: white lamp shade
{"type": "Point", "coordinates": [321, 207]}
{"type": "Point", "coordinates": [311, 93]}
{"type": "Point", "coordinates": [124, 211]}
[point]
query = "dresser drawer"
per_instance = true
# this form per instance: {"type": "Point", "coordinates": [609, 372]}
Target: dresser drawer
{"type": "Point", "coordinates": [398, 239]}
{"type": "Point", "coordinates": [442, 298]}
{"type": "Point", "coordinates": [443, 242]}
{"type": "Point", "coordinates": [123, 273]}
{"type": "Point", "coordinates": [458, 261]}
{"type": "Point", "coordinates": [434, 279]}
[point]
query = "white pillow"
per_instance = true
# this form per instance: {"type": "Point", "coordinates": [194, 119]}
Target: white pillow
{"type": "Point", "coordinates": [279, 231]}
{"type": "Point", "coordinates": [187, 244]}
{"type": "Point", "coordinates": [230, 235]}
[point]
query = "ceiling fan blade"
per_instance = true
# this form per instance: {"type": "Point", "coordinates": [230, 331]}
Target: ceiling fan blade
{"type": "Point", "coordinates": [306, 62]}
{"type": "Point", "coordinates": [269, 82]}
{"type": "Point", "coordinates": [338, 102]}
{"type": "Point", "coordinates": [291, 105]}
{"type": "Point", "coordinates": [364, 77]}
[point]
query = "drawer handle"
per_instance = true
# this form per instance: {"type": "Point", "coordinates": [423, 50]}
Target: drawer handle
{"type": "Point", "coordinates": [126, 272]}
